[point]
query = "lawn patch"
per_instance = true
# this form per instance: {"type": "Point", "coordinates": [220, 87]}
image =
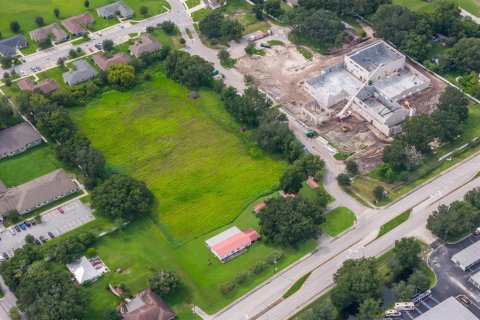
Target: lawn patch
{"type": "Point", "coordinates": [274, 42]}
{"type": "Point", "coordinates": [307, 54]}
{"type": "Point", "coordinates": [337, 221]}
{"type": "Point", "coordinates": [199, 14]}
{"type": "Point", "coordinates": [192, 3]}
{"type": "Point", "coordinates": [342, 155]}
{"type": "Point", "coordinates": [308, 192]}
{"type": "Point", "coordinates": [296, 286]}
{"type": "Point", "coordinates": [28, 165]}
{"type": "Point", "coordinates": [395, 222]}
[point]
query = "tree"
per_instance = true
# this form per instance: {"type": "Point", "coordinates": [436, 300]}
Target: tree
{"type": "Point", "coordinates": [14, 26]}
{"type": "Point", "coordinates": [144, 11]}
{"type": "Point", "coordinates": [111, 314]}
{"type": "Point", "coordinates": [273, 8]}
{"type": "Point", "coordinates": [472, 196]}
{"type": "Point", "coordinates": [72, 53]}
{"type": "Point", "coordinates": [356, 281]}
{"type": "Point", "coordinates": [291, 181]}
{"type": "Point", "coordinates": [56, 12]}
{"type": "Point", "coordinates": [6, 62]}
{"type": "Point", "coordinates": [464, 55]}
{"type": "Point", "coordinates": [39, 21]}
{"type": "Point", "coordinates": [311, 165]}
{"type": "Point", "coordinates": [258, 11]}
{"type": "Point", "coordinates": [416, 45]}
{"type": "Point", "coordinates": [45, 43]}
{"type": "Point", "coordinates": [453, 100]}
{"type": "Point", "coordinates": [86, 3]}
{"type": "Point", "coordinates": [61, 62]}
{"type": "Point", "coordinates": [395, 155]}
{"type": "Point", "coordinates": [419, 280]}
{"type": "Point", "coordinates": [454, 220]}
{"type": "Point", "coordinates": [379, 193]}
{"type": "Point", "coordinates": [403, 291]}
{"type": "Point", "coordinates": [407, 250]}
{"type": "Point", "coordinates": [192, 71]}
{"type": "Point", "coordinates": [122, 197]}
{"type": "Point", "coordinates": [344, 180]}
{"type": "Point", "coordinates": [419, 131]}
{"type": "Point", "coordinates": [14, 313]}
{"type": "Point", "coordinates": [164, 282]}
{"type": "Point", "coordinates": [352, 167]}
{"type": "Point", "coordinates": [323, 310]}
{"type": "Point", "coordinates": [223, 55]}
{"type": "Point", "coordinates": [107, 45]}
{"type": "Point", "coordinates": [121, 76]}
{"type": "Point", "coordinates": [290, 221]}
{"type": "Point", "coordinates": [369, 309]}
{"type": "Point", "coordinates": [231, 29]}
{"type": "Point", "coordinates": [169, 27]}
{"type": "Point", "coordinates": [447, 124]}
{"type": "Point", "coordinates": [215, 26]}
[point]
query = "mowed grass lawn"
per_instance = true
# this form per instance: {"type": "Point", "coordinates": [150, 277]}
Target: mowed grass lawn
{"type": "Point", "coordinates": [337, 221]}
{"type": "Point", "coordinates": [29, 165]}
{"type": "Point", "coordinates": [191, 154]}
{"type": "Point", "coordinates": [25, 12]}
{"type": "Point", "coordinates": [472, 6]}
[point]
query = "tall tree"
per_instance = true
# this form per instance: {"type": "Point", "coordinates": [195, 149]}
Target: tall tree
{"type": "Point", "coordinates": [419, 131]}
{"type": "Point", "coordinates": [291, 181]}
{"type": "Point", "coordinates": [164, 282]}
{"type": "Point", "coordinates": [453, 100]}
{"type": "Point", "coordinates": [144, 11]}
{"type": "Point", "coordinates": [15, 26]}
{"type": "Point", "coordinates": [369, 309]}
{"type": "Point", "coordinates": [56, 12]}
{"type": "Point", "coordinates": [39, 21]}
{"type": "Point", "coordinates": [407, 250]}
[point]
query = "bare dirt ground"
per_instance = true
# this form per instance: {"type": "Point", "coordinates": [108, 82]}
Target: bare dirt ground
{"type": "Point", "coordinates": [281, 74]}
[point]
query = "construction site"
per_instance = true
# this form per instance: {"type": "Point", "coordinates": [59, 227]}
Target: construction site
{"type": "Point", "coordinates": [355, 99]}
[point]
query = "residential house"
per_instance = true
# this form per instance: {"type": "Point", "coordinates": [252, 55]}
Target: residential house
{"type": "Point", "coordinates": [82, 72]}
{"type": "Point", "coordinates": [103, 62]}
{"type": "Point", "coordinates": [44, 86]}
{"type": "Point", "coordinates": [231, 243]}
{"type": "Point", "coordinates": [110, 10]}
{"type": "Point", "coordinates": [52, 31]}
{"type": "Point", "coordinates": [9, 46]}
{"type": "Point", "coordinates": [146, 305]}
{"type": "Point", "coordinates": [87, 270]}
{"type": "Point", "coordinates": [17, 139]}
{"type": "Point", "coordinates": [146, 43]}
{"type": "Point", "coordinates": [78, 25]}
{"type": "Point", "coordinates": [36, 193]}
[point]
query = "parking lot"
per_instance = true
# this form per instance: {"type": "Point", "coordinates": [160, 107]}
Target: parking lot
{"type": "Point", "coordinates": [451, 280]}
{"type": "Point", "coordinates": [74, 215]}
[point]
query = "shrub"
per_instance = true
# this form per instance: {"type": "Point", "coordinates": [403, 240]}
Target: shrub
{"type": "Point", "coordinates": [258, 267]}
{"type": "Point", "coordinates": [226, 287]}
{"type": "Point", "coordinates": [242, 276]}
{"type": "Point", "coordinates": [275, 256]}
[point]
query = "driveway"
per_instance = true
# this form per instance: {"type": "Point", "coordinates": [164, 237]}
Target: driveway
{"type": "Point", "coordinates": [75, 214]}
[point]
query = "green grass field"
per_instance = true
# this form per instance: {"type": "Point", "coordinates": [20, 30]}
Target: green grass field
{"type": "Point", "coordinates": [337, 221]}
{"type": "Point", "coordinates": [192, 155]}
{"type": "Point", "coordinates": [29, 165]}
{"type": "Point", "coordinates": [395, 222]}
{"type": "Point", "coordinates": [25, 12]}
{"type": "Point", "coordinates": [296, 286]}
{"type": "Point", "coordinates": [242, 11]}
{"type": "Point", "coordinates": [192, 3]}
{"type": "Point", "coordinates": [472, 6]}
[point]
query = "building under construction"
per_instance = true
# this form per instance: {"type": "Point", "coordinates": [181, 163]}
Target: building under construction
{"type": "Point", "coordinates": [375, 81]}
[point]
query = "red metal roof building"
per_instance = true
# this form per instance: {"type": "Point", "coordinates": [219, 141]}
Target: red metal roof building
{"type": "Point", "coordinates": [259, 207]}
{"type": "Point", "coordinates": [231, 243]}
{"type": "Point", "coordinates": [312, 183]}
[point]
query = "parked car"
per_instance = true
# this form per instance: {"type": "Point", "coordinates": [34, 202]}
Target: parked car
{"type": "Point", "coordinates": [61, 210]}
{"type": "Point", "coordinates": [32, 222]}
{"type": "Point", "coordinates": [36, 241]}
{"type": "Point", "coordinates": [23, 73]}
{"type": "Point", "coordinates": [12, 231]}
{"type": "Point", "coordinates": [27, 223]}
{"type": "Point", "coordinates": [42, 238]}
{"type": "Point", "coordinates": [2, 258]}
{"type": "Point", "coordinates": [393, 313]}
{"type": "Point", "coordinates": [5, 255]}
{"type": "Point", "coordinates": [38, 68]}
{"type": "Point", "coordinates": [51, 235]}
{"type": "Point", "coordinates": [23, 226]}
{"type": "Point", "coordinates": [477, 232]}
{"type": "Point", "coordinates": [18, 228]}
{"type": "Point", "coordinates": [90, 49]}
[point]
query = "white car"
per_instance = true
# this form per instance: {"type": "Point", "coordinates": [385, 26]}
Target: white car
{"type": "Point", "coordinates": [393, 313]}
{"type": "Point", "coordinates": [23, 73]}
{"type": "Point", "coordinates": [1, 258]}
{"type": "Point", "coordinates": [12, 231]}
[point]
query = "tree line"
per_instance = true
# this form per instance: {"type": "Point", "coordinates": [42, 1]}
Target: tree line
{"type": "Point", "coordinates": [358, 284]}
{"type": "Point", "coordinates": [408, 149]}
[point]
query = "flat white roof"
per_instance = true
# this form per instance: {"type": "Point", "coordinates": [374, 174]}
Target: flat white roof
{"type": "Point", "coordinates": [468, 256]}
{"type": "Point", "coordinates": [449, 309]}
{"type": "Point", "coordinates": [222, 236]}
{"type": "Point", "coordinates": [334, 82]}
{"type": "Point", "coordinates": [400, 82]}
{"type": "Point", "coordinates": [475, 278]}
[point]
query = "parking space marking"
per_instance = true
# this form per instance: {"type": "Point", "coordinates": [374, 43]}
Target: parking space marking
{"type": "Point", "coordinates": [433, 298]}
{"type": "Point", "coordinates": [408, 315]}
{"type": "Point", "coordinates": [425, 305]}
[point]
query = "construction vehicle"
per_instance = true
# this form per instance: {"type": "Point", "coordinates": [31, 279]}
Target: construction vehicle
{"type": "Point", "coordinates": [344, 116]}
{"type": "Point", "coordinates": [261, 35]}
{"type": "Point", "coordinates": [215, 72]}
{"type": "Point", "coordinates": [265, 45]}
{"type": "Point", "coordinates": [311, 134]}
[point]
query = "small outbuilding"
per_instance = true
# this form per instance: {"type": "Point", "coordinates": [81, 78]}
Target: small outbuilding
{"type": "Point", "coordinates": [259, 207]}
{"type": "Point", "coordinates": [87, 270]}
{"type": "Point", "coordinates": [312, 183]}
{"type": "Point", "coordinates": [468, 257]}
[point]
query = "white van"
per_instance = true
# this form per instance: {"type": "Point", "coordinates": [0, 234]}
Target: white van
{"type": "Point", "coordinates": [393, 313]}
{"type": "Point", "coordinates": [404, 306]}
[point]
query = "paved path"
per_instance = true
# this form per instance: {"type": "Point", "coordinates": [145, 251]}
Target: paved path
{"type": "Point", "coordinates": [469, 15]}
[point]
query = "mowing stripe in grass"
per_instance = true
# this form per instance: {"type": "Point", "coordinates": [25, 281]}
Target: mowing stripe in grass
{"type": "Point", "coordinates": [296, 286]}
{"type": "Point", "coordinates": [395, 222]}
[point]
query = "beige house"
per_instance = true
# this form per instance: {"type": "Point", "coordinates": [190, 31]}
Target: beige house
{"type": "Point", "coordinates": [146, 43]}
{"type": "Point", "coordinates": [17, 139]}
{"type": "Point", "coordinates": [54, 31]}
{"type": "Point", "coordinates": [36, 193]}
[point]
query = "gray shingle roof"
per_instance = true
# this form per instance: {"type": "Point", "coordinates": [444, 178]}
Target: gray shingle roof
{"type": "Point", "coordinates": [146, 43]}
{"type": "Point", "coordinates": [109, 10]}
{"type": "Point", "coordinates": [467, 256]}
{"type": "Point", "coordinates": [84, 71]}
{"type": "Point", "coordinates": [8, 46]}
{"type": "Point", "coordinates": [53, 30]}
{"type": "Point", "coordinates": [449, 309]}
{"type": "Point", "coordinates": [37, 192]}
{"type": "Point", "coordinates": [17, 137]}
